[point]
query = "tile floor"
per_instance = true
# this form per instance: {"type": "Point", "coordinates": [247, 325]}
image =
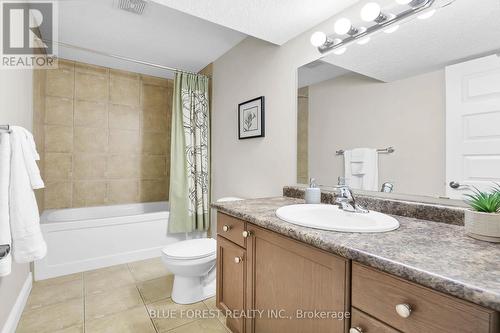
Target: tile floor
{"type": "Point", "coordinates": [117, 299]}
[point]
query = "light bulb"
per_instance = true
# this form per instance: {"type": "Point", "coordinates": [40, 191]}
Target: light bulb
{"type": "Point", "coordinates": [318, 38]}
{"type": "Point", "coordinates": [364, 40]}
{"type": "Point", "coordinates": [342, 26]}
{"type": "Point", "coordinates": [370, 11]}
{"type": "Point", "coordinates": [427, 14]}
{"type": "Point", "coordinates": [392, 29]}
{"type": "Point", "coordinates": [403, 2]}
{"type": "Point", "coordinates": [339, 51]}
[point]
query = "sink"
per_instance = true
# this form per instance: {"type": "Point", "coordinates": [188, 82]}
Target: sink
{"type": "Point", "coordinates": [330, 217]}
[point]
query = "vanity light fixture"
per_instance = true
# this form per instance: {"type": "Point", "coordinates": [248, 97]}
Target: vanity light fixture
{"type": "Point", "coordinates": [372, 12]}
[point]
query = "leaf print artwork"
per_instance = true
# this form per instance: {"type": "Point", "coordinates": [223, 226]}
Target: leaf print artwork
{"type": "Point", "coordinates": [249, 121]}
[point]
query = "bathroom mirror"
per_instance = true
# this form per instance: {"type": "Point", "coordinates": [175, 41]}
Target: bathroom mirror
{"type": "Point", "coordinates": [424, 100]}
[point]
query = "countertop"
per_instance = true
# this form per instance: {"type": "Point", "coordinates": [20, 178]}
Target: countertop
{"type": "Point", "coordinates": [436, 255]}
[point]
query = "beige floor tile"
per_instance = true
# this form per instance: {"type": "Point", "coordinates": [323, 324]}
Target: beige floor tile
{"type": "Point", "coordinates": [73, 329]}
{"type": "Point", "coordinates": [167, 315]}
{"type": "Point", "coordinates": [52, 317]}
{"type": "Point", "coordinates": [48, 293]}
{"type": "Point", "coordinates": [135, 320]}
{"type": "Point", "coordinates": [202, 325]}
{"type": "Point", "coordinates": [157, 289]}
{"type": "Point", "coordinates": [148, 269]}
{"type": "Point", "coordinates": [210, 303]}
{"type": "Point", "coordinates": [58, 280]}
{"type": "Point", "coordinates": [104, 279]}
{"type": "Point", "coordinates": [111, 301]}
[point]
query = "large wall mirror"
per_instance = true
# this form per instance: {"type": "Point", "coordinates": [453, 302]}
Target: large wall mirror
{"type": "Point", "coordinates": [414, 112]}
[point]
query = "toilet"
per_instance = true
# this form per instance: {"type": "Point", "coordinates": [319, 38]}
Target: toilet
{"type": "Point", "coordinates": [193, 264]}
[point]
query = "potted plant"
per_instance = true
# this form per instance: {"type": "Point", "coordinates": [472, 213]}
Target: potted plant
{"type": "Point", "coordinates": [482, 221]}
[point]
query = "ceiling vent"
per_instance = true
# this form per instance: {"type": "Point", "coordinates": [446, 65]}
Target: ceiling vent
{"type": "Point", "coordinates": [133, 6]}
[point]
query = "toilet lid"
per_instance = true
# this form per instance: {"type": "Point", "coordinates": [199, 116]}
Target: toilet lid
{"type": "Point", "coordinates": [191, 249]}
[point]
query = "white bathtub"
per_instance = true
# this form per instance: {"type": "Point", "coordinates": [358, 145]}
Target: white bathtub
{"type": "Point", "coordinates": [80, 239]}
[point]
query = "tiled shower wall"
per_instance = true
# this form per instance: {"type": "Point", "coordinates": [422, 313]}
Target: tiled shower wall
{"type": "Point", "coordinates": [106, 136]}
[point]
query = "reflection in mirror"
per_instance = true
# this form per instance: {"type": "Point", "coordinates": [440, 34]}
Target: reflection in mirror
{"type": "Point", "coordinates": [435, 101]}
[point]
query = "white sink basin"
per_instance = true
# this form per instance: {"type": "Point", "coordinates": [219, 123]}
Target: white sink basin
{"type": "Point", "coordinates": [330, 217]}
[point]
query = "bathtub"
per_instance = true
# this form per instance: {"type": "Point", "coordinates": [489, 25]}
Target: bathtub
{"type": "Point", "coordinates": [80, 239]}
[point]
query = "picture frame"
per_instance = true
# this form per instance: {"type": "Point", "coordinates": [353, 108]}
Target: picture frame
{"type": "Point", "coordinates": [251, 118]}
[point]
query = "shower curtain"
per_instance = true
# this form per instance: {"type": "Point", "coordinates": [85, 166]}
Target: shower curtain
{"type": "Point", "coordinates": [190, 154]}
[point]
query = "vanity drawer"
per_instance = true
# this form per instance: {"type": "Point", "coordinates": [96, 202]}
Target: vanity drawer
{"type": "Point", "coordinates": [378, 294]}
{"type": "Point", "coordinates": [231, 228]}
{"type": "Point", "coordinates": [363, 323]}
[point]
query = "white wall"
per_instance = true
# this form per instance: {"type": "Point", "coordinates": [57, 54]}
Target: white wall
{"type": "Point", "coordinates": [16, 108]}
{"type": "Point", "coordinates": [355, 111]}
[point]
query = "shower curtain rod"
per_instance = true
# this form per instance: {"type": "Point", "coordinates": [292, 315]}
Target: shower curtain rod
{"type": "Point", "coordinates": [172, 69]}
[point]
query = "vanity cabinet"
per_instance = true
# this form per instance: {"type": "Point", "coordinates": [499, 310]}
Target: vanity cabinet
{"type": "Point", "coordinates": [258, 269]}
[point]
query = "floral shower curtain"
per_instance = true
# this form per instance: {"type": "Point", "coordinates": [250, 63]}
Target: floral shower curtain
{"type": "Point", "coordinates": [190, 153]}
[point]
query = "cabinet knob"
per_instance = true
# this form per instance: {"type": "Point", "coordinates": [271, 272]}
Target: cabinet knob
{"type": "Point", "coordinates": [238, 260]}
{"type": "Point", "coordinates": [226, 228]}
{"type": "Point", "coordinates": [355, 330]}
{"type": "Point", "coordinates": [246, 234]}
{"type": "Point", "coordinates": [403, 310]}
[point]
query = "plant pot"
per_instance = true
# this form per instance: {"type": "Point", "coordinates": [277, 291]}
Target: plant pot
{"type": "Point", "coordinates": [483, 226]}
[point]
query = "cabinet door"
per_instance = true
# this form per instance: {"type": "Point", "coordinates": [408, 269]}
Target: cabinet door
{"type": "Point", "coordinates": [286, 278]}
{"type": "Point", "coordinates": [231, 274]}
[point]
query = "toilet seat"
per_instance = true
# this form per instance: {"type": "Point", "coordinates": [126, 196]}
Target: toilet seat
{"type": "Point", "coordinates": [191, 249]}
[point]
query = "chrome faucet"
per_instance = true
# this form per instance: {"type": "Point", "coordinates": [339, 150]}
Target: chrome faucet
{"type": "Point", "coordinates": [346, 201]}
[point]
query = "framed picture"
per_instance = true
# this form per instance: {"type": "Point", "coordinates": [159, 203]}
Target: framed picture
{"type": "Point", "coordinates": [251, 116]}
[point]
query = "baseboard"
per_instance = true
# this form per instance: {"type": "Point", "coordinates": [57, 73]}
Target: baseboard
{"type": "Point", "coordinates": [17, 310]}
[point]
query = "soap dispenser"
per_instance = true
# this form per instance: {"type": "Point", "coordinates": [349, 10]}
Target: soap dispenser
{"type": "Point", "coordinates": [313, 193]}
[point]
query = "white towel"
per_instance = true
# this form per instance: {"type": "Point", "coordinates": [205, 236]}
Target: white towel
{"type": "Point", "coordinates": [5, 237]}
{"type": "Point", "coordinates": [27, 240]}
{"type": "Point", "coordinates": [361, 168]}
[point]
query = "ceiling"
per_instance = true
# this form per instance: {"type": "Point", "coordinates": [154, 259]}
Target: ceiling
{"type": "Point", "coordinates": [275, 21]}
{"type": "Point", "coordinates": [464, 30]}
{"type": "Point", "coordinates": [318, 71]}
{"type": "Point", "coordinates": [160, 35]}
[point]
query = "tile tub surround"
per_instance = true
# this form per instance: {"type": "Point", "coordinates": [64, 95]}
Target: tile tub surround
{"type": "Point", "coordinates": [112, 299]}
{"type": "Point", "coordinates": [436, 255]}
{"type": "Point", "coordinates": [425, 211]}
{"type": "Point", "coordinates": [104, 136]}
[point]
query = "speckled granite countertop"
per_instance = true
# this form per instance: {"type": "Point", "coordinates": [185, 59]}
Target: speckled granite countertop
{"type": "Point", "coordinates": [436, 255]}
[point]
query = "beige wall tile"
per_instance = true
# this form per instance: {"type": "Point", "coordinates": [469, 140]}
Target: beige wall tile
{"type": "Point", "coordinates": [125, 91]}
{"type": "Point", "coordinates": [58, 195]}
{"type": "Point", "coordinates": [123, 166]}
{"type": "Point", "coordinates": [155, 98]}
{"type": "Point", "coordinates": [58, 111]}
{"type": "Point", "coordinates": [89, 166]}
{"type": "Point", "coordinates": [58, 139]}
{"type": "Point", "coordinates": [124, 117]}
{"type": "Point", "coordinates": [116, 73]}
{"type": "Point", "coordinates": [123, 191]}
{"type": "Point", "coordinates": [91, 114]}
{"type": "Point", "coordinates": [153, 190]}
{"type": "Point", "coordinates": [60, 82]}
{"type": "Point", "coordinates": [91, 69]}
{"type": "Point", "coordinates": [58, 166]}
{"type": "Point", "coordinates": [155, 122]}
{"type": "Point", "coordinates": [156, 81]}
{"type": "Point", "coordinates": [153, 166]}
{"type": "Point", "coordinates": [89, 194]}
{"type": "Point", "coordinates": [155, 143]}
{"type": "Point", "coordinates": [91, 140]}
{"type": "Point", "coordinates": [91, 87]}
{"type": "Point", "coordinates": [124, 141]}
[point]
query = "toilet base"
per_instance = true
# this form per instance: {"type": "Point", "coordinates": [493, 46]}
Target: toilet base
{"type": "Point", "coordinates": [189, 290]}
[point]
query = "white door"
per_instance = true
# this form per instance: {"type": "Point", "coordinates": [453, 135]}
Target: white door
{"type": "Point", "coordinates": [472, 125]}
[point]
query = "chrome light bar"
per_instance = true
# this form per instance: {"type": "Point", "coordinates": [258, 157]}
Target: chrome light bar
{"type": "Point", "coordinates": [383, 22]}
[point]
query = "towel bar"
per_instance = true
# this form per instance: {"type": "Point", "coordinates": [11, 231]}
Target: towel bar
{"type": "Point", "coordinates": [388, 150]}
{"type": "Point", "coordinates": [4, 250]}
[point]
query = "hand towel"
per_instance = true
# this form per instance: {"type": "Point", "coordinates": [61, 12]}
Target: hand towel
{"type": "Point", "coordinates": [27, 240]}
{"type": "Point", "coordinates": [361, 168]}
{"type": "Point", "coordinates": [5, 237]}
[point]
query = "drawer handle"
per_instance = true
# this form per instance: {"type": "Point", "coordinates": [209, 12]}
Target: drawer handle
{"type": "Point", "coordinates": [226, 228]}
{"type": "Point", "coordinates": [355, 330]}
{"type": "Point", "coordinates": [403, 310]}
{"type": "Point", "coordinates": [237, 260]}
{"type": "Point", "coordinates": [246, 234]}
